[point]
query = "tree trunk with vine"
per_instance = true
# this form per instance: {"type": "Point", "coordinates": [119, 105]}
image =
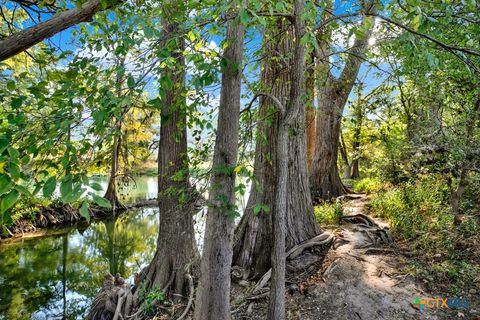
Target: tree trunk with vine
{"type": "Point", "coordinates": [176, 254]}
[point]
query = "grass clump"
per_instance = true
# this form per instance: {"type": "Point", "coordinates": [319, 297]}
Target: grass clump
{"type": "Point", "coordinates": [151, 301]}
{"type": "Point", "coordinates": [368, 185]}
{"type": "Point", "coordinates": [329, 213]}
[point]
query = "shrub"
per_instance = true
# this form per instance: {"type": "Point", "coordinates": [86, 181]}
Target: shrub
{"type": "Point", "coordinates": [419, 214]}
{"type": "Point", "coordinates": [329, 213]}
{"type": "Point", "coordinates": [368, 185]}
{"type": "Point", "coordinates": [415, 211]}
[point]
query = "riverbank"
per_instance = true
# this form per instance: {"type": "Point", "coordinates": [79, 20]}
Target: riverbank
{"type": "Point", "coordinates": [42, 220]}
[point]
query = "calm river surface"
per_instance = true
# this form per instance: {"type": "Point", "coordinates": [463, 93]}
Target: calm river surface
{"type": "Point", "coordinates": [55, 277]}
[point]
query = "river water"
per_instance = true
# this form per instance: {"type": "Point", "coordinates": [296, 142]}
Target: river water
{"type": "Point", "coordinates": [55, 277]}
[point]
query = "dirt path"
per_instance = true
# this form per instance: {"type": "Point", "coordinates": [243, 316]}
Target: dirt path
{"type": "Point", "coordinates": [355, 283]}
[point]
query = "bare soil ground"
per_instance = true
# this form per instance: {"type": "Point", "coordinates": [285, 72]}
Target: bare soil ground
{"type": "Point", "coordinates": [358, 283]}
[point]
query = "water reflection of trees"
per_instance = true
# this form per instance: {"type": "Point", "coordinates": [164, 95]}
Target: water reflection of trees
{"type": "Point", "coordinates": [55, 277]}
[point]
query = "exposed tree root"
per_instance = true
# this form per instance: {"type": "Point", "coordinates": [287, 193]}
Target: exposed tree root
{"type": "Point", "coordinates": [190, 298]}
{"type": "Point", "coordinates": [119, 306]}
{"type": "Point", "coordinates": [351, 196]}
{"type": "Point", "coordinates": [360, 219]}
{"type": "Point", "coordinates": [294, 279]}
{"type": "Point", "coordinates": [109, 301]}
{"type": "Point", "coordinates": [116, 300]}
{"type": "Point", "coordinates": [374, 234]}
{"type": "Point", "coordinates": [324, 239]}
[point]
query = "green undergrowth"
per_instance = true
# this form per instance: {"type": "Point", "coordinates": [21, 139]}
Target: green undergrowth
{"type": "Point", "coordinates": [368, 185]}
{"type": "Point", "coordinates": [446, 256]}
{"type": "Point", "coordinates": [151, 300]}
{"type": "Point", "coordinates": [329, 213]}
{"type": "Point", "coordinates": [28, 208]}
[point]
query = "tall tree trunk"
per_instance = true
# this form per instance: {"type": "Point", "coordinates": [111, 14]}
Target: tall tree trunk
{"type": "Point", "coordinates": [310, 86]}
{"type": "Point", "coordinates": [276, 307]}
{"type": "Point", "coordinates": [111, 193]}
{"type": "Point", "coordinates": [213, 295]}
{"type": "Point", "coordinates": [343, 152]}
{"type": "Point", "coordinates": [332, 96]}
{"type": "Point", "coordinates": [176, 253]}
{"type": "Point", "coordinates": [359, 114]}
{"type": "Point", "coordinates": [355, 169]}
{"type": "Point", "coordinates": [29, 37]}
{"type": "Point", "coordinates": [253, 236]}
{"type": "Point", "coordinates": [325, 178]}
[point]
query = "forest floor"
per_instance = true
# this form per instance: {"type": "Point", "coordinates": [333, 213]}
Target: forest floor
{"type": "Point", "coordinates": [360, 283]}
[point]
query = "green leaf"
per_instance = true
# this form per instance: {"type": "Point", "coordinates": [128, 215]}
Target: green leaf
{"type": "Point", "coordinates": [148, 32]}
{"type": "Point", "coordinates": [7, 219]}
{"type": "Point", "coordinates": [14, 170]}
{"type": "Point", "coordinates": [13, 152]}
{"type": "Point", "coordinates": [191, 36]}
{"type": "Point", "coordinates": [75, 194]}
{"type": "Point", "coordinates": [23, 190]}
{"type": "Point", "coordinates": [416, 22]}
{"type": "Point", "coordinates": [102, 202]}
{"type": "Point", "coordinates": [9, 200]}
{"type": "Point", "coordinates": [49, 187]}
{"type": "Point", "coordinates": [16, 103]}
{"type": "Point", "coordinates": [11, 85]}
{"type": "Point", "coordinates": [65, 188]}
{"type": "Point", "coordinates": [244, 16]}
{"type": "Point", "coordinates": [84, 211]}
{"type": "Point", "coordinates": [261, 207]}
{"type": "Point", "coordinates": [166, 82]}
{"type": "Point", "coordinates": [5, 184]}
{"type": "Point", "coordinates": [96, 186]}
{"type": "Point", "coordinates": [131, 82]}
{"type": "Point", "coordinates": [3, 144]}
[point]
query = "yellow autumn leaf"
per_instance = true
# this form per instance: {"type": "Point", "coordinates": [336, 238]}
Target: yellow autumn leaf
{"type": "Point", "coordinates": [2, 165]}
{"type": "Point", "coordinates": [237, 169]}
{"type": "Point", "coordinates": [416, 22]}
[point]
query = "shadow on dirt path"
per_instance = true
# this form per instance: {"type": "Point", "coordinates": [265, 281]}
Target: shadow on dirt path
{"type": "Point", "coordinates": [360, 278]}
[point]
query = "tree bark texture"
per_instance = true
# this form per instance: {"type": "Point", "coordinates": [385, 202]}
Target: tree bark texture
{"type": "Point", "coordinates": [253, 236]}
{"type": "Point", "coordinates": [176, 252]}
{"type": "Point", "coordinates": [213, 295]}
{"type": "Point", "coordinates": [344, 154]}
{"type": "Point", "coordinates": [332, 96]}
{"type": "Point", "coordinates": [29, 37]}
{"type": "Point", "coordinates": [276, 307]}
{"type": "Point", "coordinates": [310, 113]}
